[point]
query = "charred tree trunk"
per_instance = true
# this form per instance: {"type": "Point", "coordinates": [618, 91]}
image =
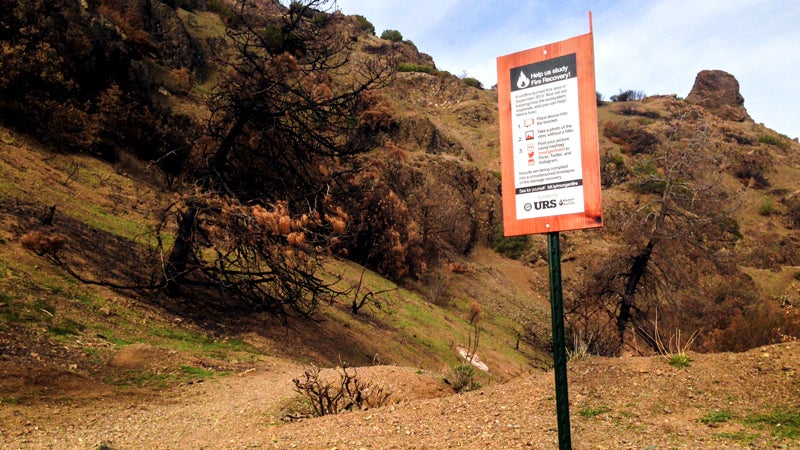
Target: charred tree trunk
{"type": "Point", "coordinates": [220, 159]}
{"type": "Point", "coordinates": [627, 305]}
{"type": "Point", "coordinates": [178, 262]}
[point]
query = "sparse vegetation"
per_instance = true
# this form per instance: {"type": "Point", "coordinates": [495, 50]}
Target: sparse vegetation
{"type": "Point", "coordinates": [676, 350]}
{"type": "Point", "coordinates": [413, 67]}
{"type": "Point", "coordinates": [594, 412]}
{"type": "Point", "coordinates": [777, 141]}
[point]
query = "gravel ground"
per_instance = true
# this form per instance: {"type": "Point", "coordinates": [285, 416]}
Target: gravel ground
{"type": "Point", "coordinates": [616, 403]}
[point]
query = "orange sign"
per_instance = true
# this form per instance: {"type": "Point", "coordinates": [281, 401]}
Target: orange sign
{"type": "Point", "coordinates": [549, 148]}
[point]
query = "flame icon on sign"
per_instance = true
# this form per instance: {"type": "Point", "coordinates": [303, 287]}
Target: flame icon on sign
{"type": "Point", "coordinates": [523, 80]}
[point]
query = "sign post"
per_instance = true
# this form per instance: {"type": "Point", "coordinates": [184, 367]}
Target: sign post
{"type": "Point", "coordinates": [550, 163]}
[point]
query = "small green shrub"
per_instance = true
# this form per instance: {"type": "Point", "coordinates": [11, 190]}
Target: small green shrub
{"type": "Point", "coordinates": [679, 360]}
{"type": "Point", "coordinates": [648, 180]}
{"type": "Point", "coordinates": [676, 351]}
{"type": "Point", "coordinates": [392, 35]}
{"type": "Point", "coordinates": [613, 170]}
{"type": "Point", "coordinates": [473, 82]}
{"type": "Point", "coordinates": [767, 207]}
{"type": "Point", "coordinates": [462, 378]}
{"type": "Point", "coordinates": [511, 247]}
{"type": "Point", "coordinates": [365, 24]}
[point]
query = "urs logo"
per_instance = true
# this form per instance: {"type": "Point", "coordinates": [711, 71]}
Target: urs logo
{"type": "Point", "coordinates": [545, 204]}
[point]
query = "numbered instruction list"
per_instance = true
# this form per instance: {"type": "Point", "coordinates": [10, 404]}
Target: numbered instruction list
{"type": "Point", "coordinates": [546, 132]}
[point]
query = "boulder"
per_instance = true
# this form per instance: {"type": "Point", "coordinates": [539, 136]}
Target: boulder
{"type": "Point", "coordinates": [718, 92]}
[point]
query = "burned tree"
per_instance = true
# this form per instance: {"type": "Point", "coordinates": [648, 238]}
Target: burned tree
{"type": "Point", "coordinates": [287, 116]}
{"type": "Point", "coordinates": [675, 234]}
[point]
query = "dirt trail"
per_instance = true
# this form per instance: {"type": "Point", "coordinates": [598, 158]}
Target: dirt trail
{"type": "Point", "coordinates": [615, 403]}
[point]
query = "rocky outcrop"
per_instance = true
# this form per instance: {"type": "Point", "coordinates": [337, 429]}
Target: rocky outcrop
{"type": "Point", "coordinates": [718, 92]}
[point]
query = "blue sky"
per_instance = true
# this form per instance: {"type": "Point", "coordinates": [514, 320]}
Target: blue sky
{"type": "Point", "coordinates": [655, 46]}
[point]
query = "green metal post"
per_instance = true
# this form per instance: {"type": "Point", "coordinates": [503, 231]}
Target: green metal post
{"type": "Point", "coordinates": [559, 346]}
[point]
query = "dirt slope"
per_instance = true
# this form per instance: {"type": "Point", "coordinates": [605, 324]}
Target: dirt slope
{"type": "Point", "coordinates": [720, 401]}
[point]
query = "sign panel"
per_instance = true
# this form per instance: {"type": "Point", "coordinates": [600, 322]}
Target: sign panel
{"type": "Point", "coordinates": [548, 138]}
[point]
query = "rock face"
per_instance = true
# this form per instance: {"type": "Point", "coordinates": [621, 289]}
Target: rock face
{"type": "Point", "coordinates": [718, 91]}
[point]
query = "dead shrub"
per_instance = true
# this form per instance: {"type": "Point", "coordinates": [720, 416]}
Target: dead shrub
{"type": "Point", "coordinates": [632, 139]}
{"type": "Point", "coordinates": [460, 268]}
{"type": "Point", "coordinates": [347, 393]}
{"type": "Point", "coordinates": [792, 205]}
{"type": "Point", "coordinates": [43, 243]}
{"type": "Point", "coordinates": [752, 167]}
{"type": "Point", "coordinates": [641, 112]}
{"type": "Point", "coordinates": [759, 325]}
{"type": "Point", "coordinates": [613, 170]}
{"type": "Point", "coordinates": [436, 285]}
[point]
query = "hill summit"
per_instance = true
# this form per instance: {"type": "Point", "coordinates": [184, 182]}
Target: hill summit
{"type": "Point", "coordinates": [718, 91]}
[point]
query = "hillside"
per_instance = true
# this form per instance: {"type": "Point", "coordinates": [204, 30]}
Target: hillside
{"type": "Point", "coordinates": [397, 247]}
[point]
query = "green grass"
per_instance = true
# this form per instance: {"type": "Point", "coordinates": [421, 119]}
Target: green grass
{"type": "Point", "coordinates": [186, 340]}
{"type": "Point", "coordinates": [9, 401]}
{"type": "Point", "coordinates": [117, 225]}
{"type": "Point", "coordinates": [198, 372]}
{"type": "Point", "coordinates": [593, 412]}
{"type": "Point", "coordinates": [135, 378]}
{"type": "Point", "coordinates": [741, 437]}
{"type": "Point", "coordinates": [777, 141]}
{"type": "Point", "coordinates": [716, 417]}
{"type": "Point", "coordinates": [781, 423]}
{"type": "Point", "coordinates": [183, 374]}
{"type": "Point", "coordinates": [66, 327]}
{"type": "Point", "coordinates": [413, 67]}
